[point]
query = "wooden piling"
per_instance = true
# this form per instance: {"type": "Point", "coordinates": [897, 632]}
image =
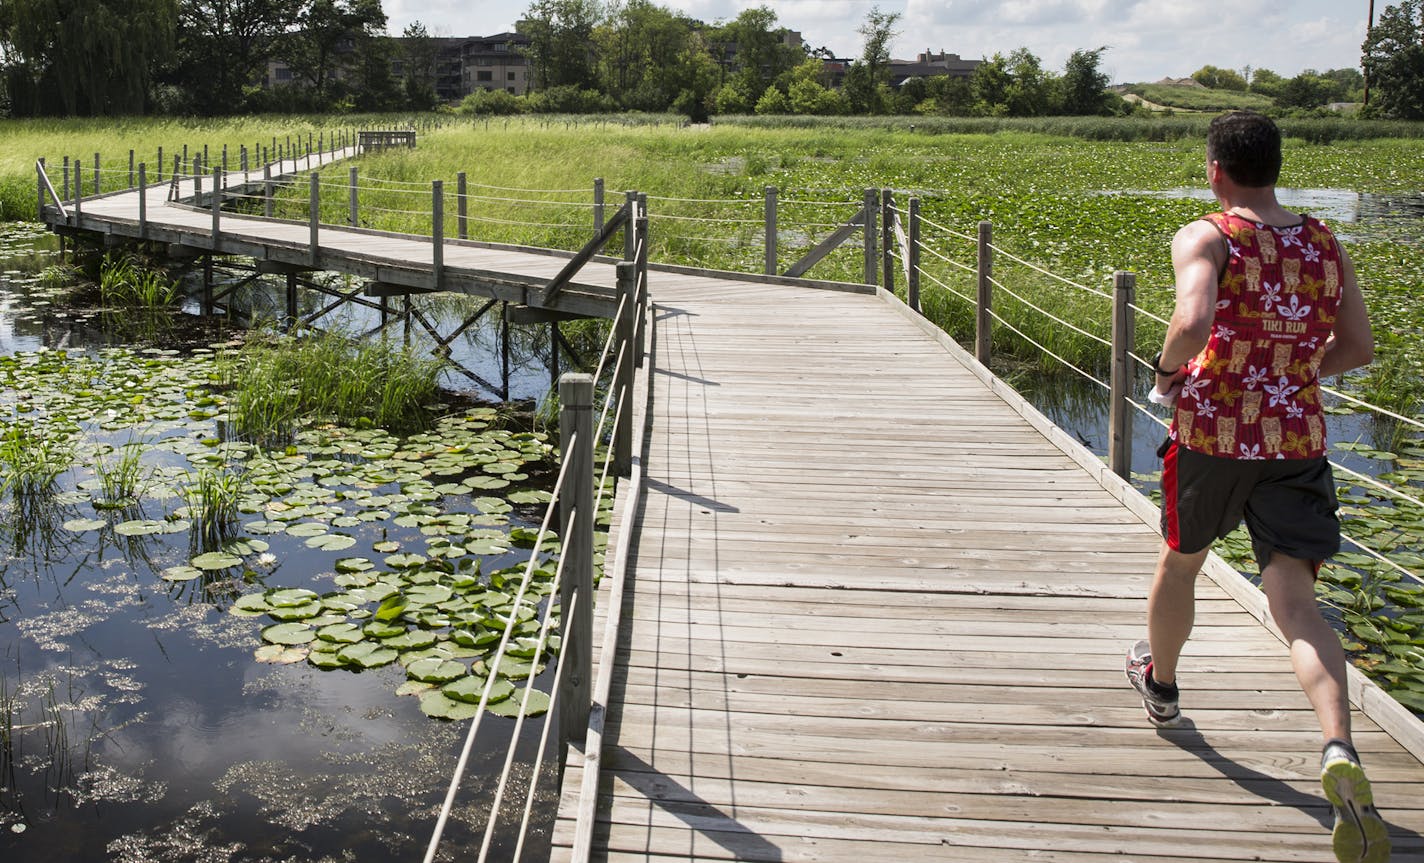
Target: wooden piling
{"type": "Point", "coordinates": [1120, 385]}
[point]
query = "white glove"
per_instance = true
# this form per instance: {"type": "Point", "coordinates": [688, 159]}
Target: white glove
{"type": "Point", "coordinates": [1167, 399]}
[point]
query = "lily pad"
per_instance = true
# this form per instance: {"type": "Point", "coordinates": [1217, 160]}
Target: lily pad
{"type": "Point", "coordinates": [341, 633]}
{"type": "Point", "coordinates": [439, 706]}
{"type": "Point", "coordinates": [353, 564]}
{"type": "Point", "coordinates": [413, 640]}
{"type": "Point", "coordinates": [331, 542]}
{"type": "Point", "coordinates": [214, 560]}
{"type": "Point", "coordinates": [280, 654]}
{"type": "Point", "coordinates": [181, 573]}
{"type": "Point", "coordinates": [288, 633]}
{"type": "Point", "coordinates": [297, 612]}
{"type": "Point", "coordinates": [435, 670]}
{"type": "Point", "coordinates": [290, 597]}
{"type": "Point", "coordinates": [536, 704]}
{"type": "Point", "coordinates": [79, 525]}
{"type": "Point", "coordinates": [139, 527]}
{"type": "Point", "coordinates": [469, 690]}
{"type": "Point", "coordinates": [367, 654]}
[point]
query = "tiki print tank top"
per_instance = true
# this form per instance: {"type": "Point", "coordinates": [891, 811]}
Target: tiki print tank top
{"type": "Point", "coordinates": [1254, 392]}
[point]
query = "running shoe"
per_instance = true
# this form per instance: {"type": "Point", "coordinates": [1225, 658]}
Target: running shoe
{"type": "Point", "coordinates": [1159, 701]}
{"type": "Point", "coordinates": [1360, 835]}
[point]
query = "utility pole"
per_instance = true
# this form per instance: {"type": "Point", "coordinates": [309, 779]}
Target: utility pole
{"type": "Point", "coordinates": [1370, 25]}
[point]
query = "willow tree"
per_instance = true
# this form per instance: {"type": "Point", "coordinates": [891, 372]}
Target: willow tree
{"type": "Point", "coordinates": [83, 57]}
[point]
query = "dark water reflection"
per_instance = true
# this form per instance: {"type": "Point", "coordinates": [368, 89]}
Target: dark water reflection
{"type": "Point", "coordinates": [135, 724]}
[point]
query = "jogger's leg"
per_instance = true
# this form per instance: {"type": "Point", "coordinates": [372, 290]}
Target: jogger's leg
{"type": "Point", "coordinates": [1171, 609]}
{"type": "Point", "coordinates": [1316, 655]}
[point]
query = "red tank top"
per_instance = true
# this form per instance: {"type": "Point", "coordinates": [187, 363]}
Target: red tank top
{"type": "Point", "coordinates": [1254, 392]}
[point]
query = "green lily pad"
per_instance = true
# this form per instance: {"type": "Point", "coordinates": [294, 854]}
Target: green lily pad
{"type": "Point", "coordinates": [79, 525]}
{"type": "Point", "coordinates": [386, 546]}
{"type": "Point", "coordinates": [469, 690]}
{"type": "Point", "coordinates": [536, 704]}
{"type": "Point", "coordinates": [391, 608]}
{"type": "Point", "coordinates": [331, 542]}
{"type": "Point", "coordinates": [249, 605]}
{"type": "Point", "coordinates": [406, 561]}
{"type": "Point", "coordinates": [296, 612]}
{"type": "Point", "coordinates": [307, 528]}
{"type": "Point", "coordinates": [414, 687]}
{"type": "Point", "coordinates": [139, 527]}
{"type": "Point", "coordinates": [214, 560]}
{"type": "Point", "coordinates": [435, 670]}
{"type": "Point", "coordinates": [181, 573]}
{"type": "Point", "coordinates": [412, 640]}
{"type": "Point", "coordinates": [290, 597]}
{"type": "Point", "coordinates": [367, 654]}
{"type": "Point", "coordinates": [341, 633]}
{"type": "Point", "coordinates": [353, 564]}
{"type": "Point", "coordinates": [437, 705]}
{"type": "Point", "coordinates": [288, 633]}
{"type": "Point", "coordinates": [381, 629]}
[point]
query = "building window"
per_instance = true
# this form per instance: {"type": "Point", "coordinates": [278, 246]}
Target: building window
{"type": "Point", "coordinates": [511, 77]}
{"type": "Point", "coordinates": [484, 76]}
{"type": "Point", "coordinates": [284, 74]}
{"type": "Point", "coordinates": [501, 47]}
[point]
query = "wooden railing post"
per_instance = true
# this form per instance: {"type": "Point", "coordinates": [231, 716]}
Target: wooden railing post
{"type": "Point", "coordinates": [159, 178]}
{"type": "Point", "coordinates": [597, 206]}
{"type": "Point", "coordinates": [78, 189]}
{"type": "Point", "coordinates": [217, 207]}
{"type": "Point", "coordinates": [40, 189]}
{"type": "Point", "coordinates": [576, 530]}
{"type": "Point", "coordinates": [769, 244]}
{"type": "Point", "coordinates": [267, 189]}
{"type": "Point", "coordinates": [437, 229]}
{"type": "Point", "coordinates": [66, 178]}
{"type": "Point", "coordinates": [224, 160]}
{"type": "Point", "coordinates": [131, 169]}
{"type": "Point", "coordinates": [315, 213]}
{"type": "Point", "coordinates": [142, 200]}
{"type": "Point", "coordinates": [640, 294]}
{"type": "Point", "coordinates": [98, 176]}
{"type": "Point", "coordinates": [887, 239]}
{"type": "Point", "coordinates": [630, 230]}
{"type": "Point", "coordinates": [983, 324]}
{"type": "Point", "coordinates": [622, 384]}
{"type": "Point", "coordinates": [462, 214]}
{"type": "Point", "coordinates": [197, 181]}
{"type": "Point", "coordinates": [912, 255]}
{"type": "Point", "coordinates": [355, 213]}
{"type": "Point", "coordinates": [1120, 410]}
{"type": "Point", "coordinates": [871, 205]}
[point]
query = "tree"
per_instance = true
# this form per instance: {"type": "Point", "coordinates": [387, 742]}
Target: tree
{"type": "Point", "coordinates": [224, 46]}
{"type": "Point", "coordinates": [83, 57]}
{"type": "Point", "coordinates": [990, 85]}
{"type": "Point", "coordinates": [759, 50]}
{"type": "Point", "coordinates": [1031, 93]}
{"type": "Point", "coordinates": [867, 78]}
{"type": "Point", "coordinates": [647, 55]}
{"type": "Point", "coordinates": [773, 101]}
{"type": "Point", "coordinates": [1266, 82]}
{"type": "Point", "coordinates": [560, 37]}
{"type": "Point", "coordinates": [1220, 79]}
{"type": "Point", "coordinates": [1394, 61]}
{"type": "Point", "coordinates": [1084, 86]}
{"type": "Point", "coordinates": [326, 42]}
{"type": "Point", "coordinates": [418, 55]}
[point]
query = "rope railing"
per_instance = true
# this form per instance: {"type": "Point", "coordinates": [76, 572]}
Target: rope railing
{"type": "Point", "coordinates": [493, 664]}
{"type": "Point", "coordinates": [1045, 349]}
{"type": "Point", "coordinates": [1036, 268]}
{"type": "Point", "coordinates": [1042, 311]}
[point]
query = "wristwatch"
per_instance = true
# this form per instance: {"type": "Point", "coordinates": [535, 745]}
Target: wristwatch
{"type": "Point", "coordinates": [1157, 367]}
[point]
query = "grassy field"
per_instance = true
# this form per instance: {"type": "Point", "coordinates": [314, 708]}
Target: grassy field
{"type": "Point", "coordinates": [1077, 204]}
{"type": "Point", "coordinates": [1188, 98]}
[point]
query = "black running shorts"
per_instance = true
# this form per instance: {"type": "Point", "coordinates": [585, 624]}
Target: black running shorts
{"type": "Point", "coordinates": [1288, 504]}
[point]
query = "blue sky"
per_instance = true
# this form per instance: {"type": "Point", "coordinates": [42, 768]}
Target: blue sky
{"type": "Point", "coordinates": [1147, 39]}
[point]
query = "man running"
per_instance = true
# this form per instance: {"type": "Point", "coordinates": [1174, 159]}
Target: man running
{"type": "Point", "coordinates": [1267, 304]}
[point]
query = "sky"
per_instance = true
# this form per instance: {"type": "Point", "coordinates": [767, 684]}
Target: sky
{"type": "Point", "coordinates": [1147, 39]}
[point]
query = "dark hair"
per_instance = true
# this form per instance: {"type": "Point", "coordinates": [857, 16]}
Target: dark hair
{"type": "Point", "coordinates": [1248, 146]}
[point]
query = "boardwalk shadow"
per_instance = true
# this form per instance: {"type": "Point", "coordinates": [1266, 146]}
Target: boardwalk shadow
{"type": "Point", "coordinates": [1187, 737]}
{"type": "Point", "coordinates": [702, 817]}
{"type": "Point", "coordinates": [690, 378]}
{"type": "Point", "coordinates": [683, 494]}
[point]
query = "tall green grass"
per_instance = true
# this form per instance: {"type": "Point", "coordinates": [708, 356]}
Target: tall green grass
{"type": "Point", "coordinates": [277, 383]}
{"type": "Point", "coordinates": [125, 280]}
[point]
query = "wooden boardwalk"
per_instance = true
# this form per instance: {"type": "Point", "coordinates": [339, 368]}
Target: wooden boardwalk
{"type": "Point", "coordinates": [513, 274]}
{"type": "Point", "coordinates": [875, 607]}
{"type": "Point", "coordinates": [872, 613]}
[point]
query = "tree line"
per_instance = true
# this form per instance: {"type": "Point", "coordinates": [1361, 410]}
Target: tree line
{"type": "Point", "coordinates": [119, 57]}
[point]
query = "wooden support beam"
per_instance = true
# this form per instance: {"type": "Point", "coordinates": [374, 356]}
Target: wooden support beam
{"type": "Point", "coordinates": [281, 268]}
{"type": "Point", "coordinates": [533, 315]}
{"type": "Point", "coordinates": [388, 289]}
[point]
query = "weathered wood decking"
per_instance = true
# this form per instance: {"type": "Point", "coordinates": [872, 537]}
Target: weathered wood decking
{"type": "Point", "coordinates": [871, 613]}
{"type": "Point", "coordinates": [509, 273]}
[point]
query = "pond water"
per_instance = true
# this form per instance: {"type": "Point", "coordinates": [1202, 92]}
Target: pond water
{"type": "Point", "coordinates": [1354, 216]}
{"type": "Point", "coordinates": [136, 720]}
